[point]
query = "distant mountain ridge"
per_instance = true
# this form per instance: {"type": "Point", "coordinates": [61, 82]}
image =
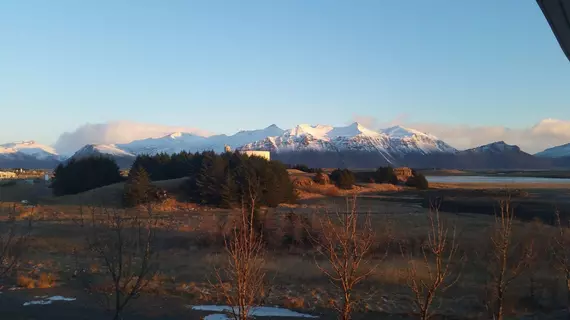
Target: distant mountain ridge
{"type": "Point", "coordinates": [30, 148]}
{"type": "Point", "coordinates": [389, 144]}
{"type": "Point", "coordinates": [555, 152]}
{"type": "Point", "coordinates": [353, 145]}
{"type": "Point", "coordinates": [28, 154]}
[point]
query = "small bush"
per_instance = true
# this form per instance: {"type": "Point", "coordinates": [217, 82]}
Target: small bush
{"type": "Point", "coordinates": [321, 178]}
{"type": "Point", "coordinates": [386, 175]}
{"type": "Point", "coordinates": [46, 280]}
{"type": "Point", "coordinates": [343, 178]}
{"type": "Point", "coordinates": [24, 281]}
{"type": "Point", "coordinates": [418, 181]}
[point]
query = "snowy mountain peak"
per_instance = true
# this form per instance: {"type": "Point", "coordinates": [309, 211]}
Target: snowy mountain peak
{"type": "Point", "coordinates": [175, 135]}
{"type": "Point", "coordinates": [318, 131]}
{"type": "Point", "coordinates": [495, 147]}
{"type": "Point", "coordinates": [30, 148]}
{"type": "Point", "coordinates": [555, 152]}
{"type": "Point", "coordinates": [22, 143]}
{"type": "Point", "coordinates": [353, 130]}
{"type": "Point", "coordinates": [403, 132]}
{"type": "Point", "coordinates": [101, 149]}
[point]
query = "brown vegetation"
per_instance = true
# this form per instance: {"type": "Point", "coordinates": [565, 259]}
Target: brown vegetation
{"type": "Point", "coordinates": [14, 236]}
{"type": "Point", "coordinates": [345, 243]}
{"type": "Point", "coordinates": [507, 259]}
{"type": "Point", "coordinates": [439, 254]}
{"type": "Point", "coordinates": [242, 279]}
{"type": "Point", "coordinates": [197, 234]}
{"type": "Point", "coordinates": [124, 242]}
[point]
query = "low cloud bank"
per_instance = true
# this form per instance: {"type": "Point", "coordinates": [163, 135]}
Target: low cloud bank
{"type": "Point", "coordinates": [115, 132]}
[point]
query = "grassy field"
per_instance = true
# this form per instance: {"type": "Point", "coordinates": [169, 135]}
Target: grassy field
{"type": "Point", "coordinates": [191, 245]}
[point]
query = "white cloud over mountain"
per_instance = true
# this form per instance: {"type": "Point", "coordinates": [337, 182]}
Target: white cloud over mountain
{"type": "Point", "coordinates": [115, 132]}
{"type": "Point", "coordinates": [544, 134]}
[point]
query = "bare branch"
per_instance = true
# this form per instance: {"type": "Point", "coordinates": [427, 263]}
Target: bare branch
{"type": "Point", "coordinates": [14, 236]}
{"type": "Point", "coordinates": [508, 258]}
{"type": "Point", "coordinates": [438, 260]}
{"type": "Point", "coordinates": [345, 244]}
{"type": "Point", "coordinates": [244, 268]}
{"type": "Point", "coordinates": [125, 242]}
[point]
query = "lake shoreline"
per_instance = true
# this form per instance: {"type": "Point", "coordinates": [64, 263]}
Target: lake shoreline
{"type": "Point", "coordinates": [553, 174]}
{"type": "Point", "coordinates": [497, 180]}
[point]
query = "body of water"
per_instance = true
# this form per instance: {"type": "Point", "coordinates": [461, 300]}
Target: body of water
{"type": "Point", "coordinates": [494, 179]}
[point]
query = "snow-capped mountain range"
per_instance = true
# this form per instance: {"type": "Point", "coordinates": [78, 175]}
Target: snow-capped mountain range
{"type": "Point", "coordinates": [392, 145]}
{"type": "Point", "coordinates": [389, 143]}
{"type": "Point", "coordinates": [29, 148]}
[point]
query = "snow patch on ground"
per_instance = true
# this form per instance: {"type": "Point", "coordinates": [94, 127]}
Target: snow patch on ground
{"type": "Point", "coordinates": [47, 300]}
{"type": "Point", "coordinates": [216, 316]}
{"type": "Point", "coordinates": [254, 312]}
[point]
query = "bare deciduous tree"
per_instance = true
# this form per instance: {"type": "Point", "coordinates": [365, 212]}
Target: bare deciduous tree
{"type": "Point", "coordinates": [345, 243]}
{"type": "Point", "coordinates": [560, 246]}
{"type": "Point", "coordinates": [14, 236]}
{"type": "Point", "coordinates": [438, 260]}
{"type": "Point", "coordinates": [244, 270]}
{"type": "Point", "coordinates": [125, 242]}
{"type": "Point", "coordinates": [508, 258]}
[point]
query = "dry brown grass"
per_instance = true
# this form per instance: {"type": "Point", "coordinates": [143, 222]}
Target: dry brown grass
{"type": "Point", "coordinates": [30, 281]}
{"type": "Point", "coordinates": [314, 190]}
{"type": "Point", "coordinates": [189, 252]}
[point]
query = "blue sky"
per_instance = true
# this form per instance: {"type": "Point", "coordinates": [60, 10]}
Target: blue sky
{"type": "Point", "coordinates": [228, 65]}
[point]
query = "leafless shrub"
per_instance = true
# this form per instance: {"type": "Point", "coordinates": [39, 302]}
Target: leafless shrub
{"type": "Point", "coordinates": [244, 268]}
{"type": "Point", "coordinates": [535, 236]}
{"type": "Point", "coordinates": [507, 259]}
{"type": "Point", "coordinates": [560, 246]}
{"type": "Point", "coordinates": [345, 243]}
{"type": "Point", "coordinates": [438, 253]}
{"type": "Point", "coordinates": [125, 243]}
{"type": "Point", "coordinates": [14, 235]}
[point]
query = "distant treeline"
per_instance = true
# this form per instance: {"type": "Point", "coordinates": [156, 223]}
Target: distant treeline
{"type": "Point", "coordinates": [216, 179]}
{"type": "Point", "coordinates": [76, 176]}
{"type": "Point", "coordinates": [223, 179]}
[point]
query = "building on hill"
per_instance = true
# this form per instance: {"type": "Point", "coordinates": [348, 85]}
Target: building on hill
{"type": "Point", "coordinates": [7, 175]}
{"type": "Point", "coordinates": [263, 154]}
{"type": "Point", "coordinates": [403, 173]}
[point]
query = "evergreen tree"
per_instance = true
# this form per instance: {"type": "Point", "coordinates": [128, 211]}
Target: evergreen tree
{"type": "Point", "coordinates": [138, 188]}
{"type": "Point", "coordinates": [418, 181]}
{"type": "Point", "coordinates": [205, 182]}
{"type": "Point", "coordinates": [386, 175]}
{"type": "Point", "coordinates": [80, 175]}
{"type": "Point", "coordinates": [228, 179]}
{"type": "Point", "coordinates": [228, 191]}
{"type": "Point", "coordinates": [343, 178]}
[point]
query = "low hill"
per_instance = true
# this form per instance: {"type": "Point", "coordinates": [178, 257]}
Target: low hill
{"type": "Point", "coordinates": [111, 195]}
